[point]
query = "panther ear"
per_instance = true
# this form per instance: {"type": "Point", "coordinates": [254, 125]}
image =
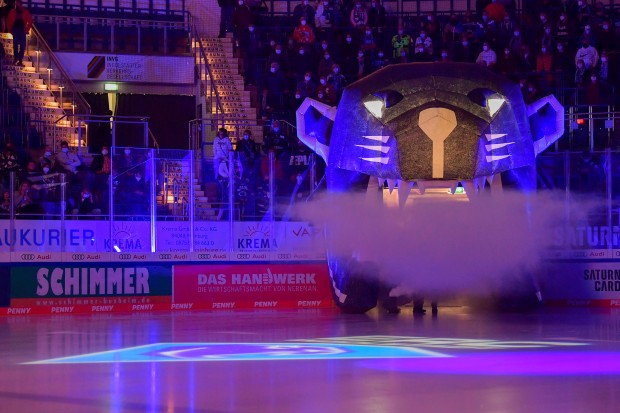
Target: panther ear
{"type": "Point", "coordinates": [546, 117]}
{"type": "Point", "coordinates": [314, 125]}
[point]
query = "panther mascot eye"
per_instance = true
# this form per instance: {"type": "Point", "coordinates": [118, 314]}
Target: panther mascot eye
{"type": "Point", "coordinates": [420, 125]}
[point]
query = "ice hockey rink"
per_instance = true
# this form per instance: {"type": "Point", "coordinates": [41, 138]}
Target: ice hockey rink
{"type": "Point", "coordinates": [462, 360]}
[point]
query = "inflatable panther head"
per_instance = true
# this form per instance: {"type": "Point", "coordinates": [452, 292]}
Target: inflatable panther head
{"type": "Point", "coordinates": [420, 124]}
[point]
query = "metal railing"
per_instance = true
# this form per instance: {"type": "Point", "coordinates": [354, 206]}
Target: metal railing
{"type": "Point", "coordinates": [58, 81]}
{"type": "Point", "coordinates": [115, 35]}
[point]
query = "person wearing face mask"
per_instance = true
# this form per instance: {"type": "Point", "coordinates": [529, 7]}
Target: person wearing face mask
{"type": "Point", "coordinates": [368, 43]}
{"type": "Point", "coordinates": [507, 64]}
{"type": "Point", "coordinates": [275, 89]}
{"type": "Point", "coordinates": [227, 8]}
{"type": "Point", "coordinates": [306, 87]}
{"type": "Point", "coordinates": [66, 160]}
{"type": "Point", "coordinates": [47, 157]}
{"type": "Point", "coordinates": [401, 41]}
{"type": "Point", "coordinates": [337, 81]}
{"type": "Point", "coordinates": [487, 57]}
{"type": "Point", "coordinates": [603, 70]}
{"type": "Point", "coordinates": [594, 93]}
{"type": "Point", "coordinates": [325, 65]}
{"type": "Point", "coordinates": [547, 40]}
{"type": "Point", "coordinates": [606, 37]}
{"type": "Point", "coordinates": [377, 18]}
{"type": "Point", "coordinates": [580, 73]}
{"type": "Point", "coordinates": [584, 13]}
{"type": "Point", "coordinates": [323, 19]}
{"type": "Point", "coordinates": [222, 147]}
{"type": "Point", "coordinates": [242, 18]}
{"type": "Point", "coordinates": [250, 45]}
{"type": "Point", "coordinates": [302, 64]}
{"type": "Point", "coordinates": [563, 29]}
{"type": "Point", "coordinates": [358, 18]}
{"type": "Point", "coordinates": [516, 41]}
{"type": "Point", "coordinates": [305, 10]}
{"type": "Point", "coordinates": [248, 154]}
{"type": "Point", "coordinates": [101, 167]}
{"type": "Point", "coordinates": [303, 33]}
{"type": "Point", "coordinates": [86, 203]}
{"type": "Point", "coordinates": [544, 67]}
{"type": "Point", "coordinates": [379, 61]}
{"type": "Point", "coordinates": [588, 54]}
{"type": "Point", "coordinates": [465, 51]}
{"type": "Point", "coordinates": [587, 36]}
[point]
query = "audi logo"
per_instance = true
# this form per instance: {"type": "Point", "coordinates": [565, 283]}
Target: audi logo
{"type": "Point", "coordinates": [28, 257]}
{"type": "Point", "coordinates": [78, 257]}
{"type": "Point", "coordinates": [124, 256]}
{"type": "Point", "coordinates": [165, 256]}
{"type": "Point", "coordinates": [204, 256]}
{"type": "Point", "coordinates": [243, 256]}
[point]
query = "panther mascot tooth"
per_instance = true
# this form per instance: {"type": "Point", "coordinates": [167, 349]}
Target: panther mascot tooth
{"type": "Point", "coordinates": [420, 124]}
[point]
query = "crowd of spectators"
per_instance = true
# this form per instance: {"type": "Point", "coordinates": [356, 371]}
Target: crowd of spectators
{"type": "Point", "coordinates": [566, 47]}
{"type": "Point", "coordinates": [40, 176]}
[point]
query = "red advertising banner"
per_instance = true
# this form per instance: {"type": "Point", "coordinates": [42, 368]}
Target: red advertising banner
{"type": "Point", "coordinates": [260, 285]}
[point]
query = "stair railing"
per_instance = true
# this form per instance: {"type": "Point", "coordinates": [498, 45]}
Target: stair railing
{"type": "Point", "coordinates": [58, 80]}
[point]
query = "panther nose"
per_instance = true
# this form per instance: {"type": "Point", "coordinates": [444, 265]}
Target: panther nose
{"type": "Point", "coordinates": [437, 124]}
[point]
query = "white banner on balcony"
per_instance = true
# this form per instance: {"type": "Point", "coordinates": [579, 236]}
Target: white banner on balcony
{"type": "Point", "coordinates": [128, 68]}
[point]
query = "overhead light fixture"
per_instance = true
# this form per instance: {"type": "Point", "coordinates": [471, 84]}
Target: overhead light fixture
{"type": "Point", "coordinates": [110, 87]}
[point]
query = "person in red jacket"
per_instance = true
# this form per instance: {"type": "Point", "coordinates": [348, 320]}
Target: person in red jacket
{"type": "Point", "coordinates": [18, 23]}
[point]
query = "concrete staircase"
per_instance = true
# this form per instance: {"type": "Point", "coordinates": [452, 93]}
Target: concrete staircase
{"type": "Point", "coordinates": [236, 101]}
{"type": "Point", "coordinates": [41, 106]}
{"type": "Point", "coordinates": [176, 192]}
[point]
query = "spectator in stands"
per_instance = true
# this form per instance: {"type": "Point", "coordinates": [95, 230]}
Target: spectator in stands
{"type": "Point", "coordinates": [606, 37]}
{"type": "Point", "coordinates": [465, 51]}
{"type": "Point", "coordinates": [587, 36]}
{"type": "Point", "coordinates": [279, 57]}
{"type": "Point", "coordinates": [47, 157]}
{"type": "Point", "coordinates": [275, 88]}
{"type": "Point", "coordinates": [66, 160]}
{"type": "Point", "coordinates": [507, 64]}
{"type": "Point", "coordinates": [87, 203]}
{"type": "Point", "coordinates": [563, 29]}
{"type": "Point", "coordinates": [275, 139]}
{"type": "Point", "coordinates": [583, 14]}
{"type": "Point", "coordinates": [306, 87]}
{"type": "Point", "coordinates": [379, 61]}
{"type": "Point", "coordinates": [421, 55]}
{"type": "Point", "coordinates": [358, 16]}
{"type": "Point", "coordinates": [325, 65]}
{"type": "Point", "coordinates": [594, 94]}
{"type": "Point", "coordinates": [377, 18]}
{"type": "Point", "coordinates": [24, 204]}
{"type": "Point", "coordinates": [101, 167]}
{"type": "Point", "coordinates": [487, 57]}
{"type": "Point", "coordinates": [302, 64]}
{"type": "Point", "coordinates": [516, 42]}
{"type": "Point", "coordinates": [324, 19]}
{"type": "Point", "coordinates": [452, 32]}
{"type": "Point", "coordinates": [603, 70]}
{"type": "Point", "coordinates": [505, 30]}
{"type": "Point", "coordinates": [222, 147]}
{"type": "Point", "coordinates": [305, 10]}
{"type": "Point", "coordinates": [8, 162]}
{"type": "Point", "coordinates": [135, 195]}
{"type": "Point", "coordinates": [527, 61]}
{"type": "Point", "coordinates": [444, 57]}
{"type": "Point", "coordinates": [19, 22]}
{"type": "Point", "coordinates": [248, 154]}
{"type": "Point", "coordinates": [250, 44]}
{"type": "Point", "coordinates": [588, 54]}
{"type": "Point", "coordinates": [227, 8]}
{"type": "Point", "coordinates": [304, 34]}
{"type": "Point", "coordinates": [548, 39]}
{"type": "Point", "coordinates": [580, 73]}
{"type": "Point", "coordinates": [532, 93]}
{"type": "Point", "coordinates": [242, 18]}
{"type": "Point", "coordinates": [562, 65]}
{"type": "Point", "coordinates": [368, 43]}
{"type": "Point", "coordinates": [544, 67]}
{"type": "Point", "coordinates": [336, 80]}
{"type": "Point", "coordinates": [5, 206]}
{"type": "Point", "coordinates": [400, 42]}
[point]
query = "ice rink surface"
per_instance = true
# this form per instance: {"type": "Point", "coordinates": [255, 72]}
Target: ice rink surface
{"type": "Point", "coordinates": [313, 361]}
